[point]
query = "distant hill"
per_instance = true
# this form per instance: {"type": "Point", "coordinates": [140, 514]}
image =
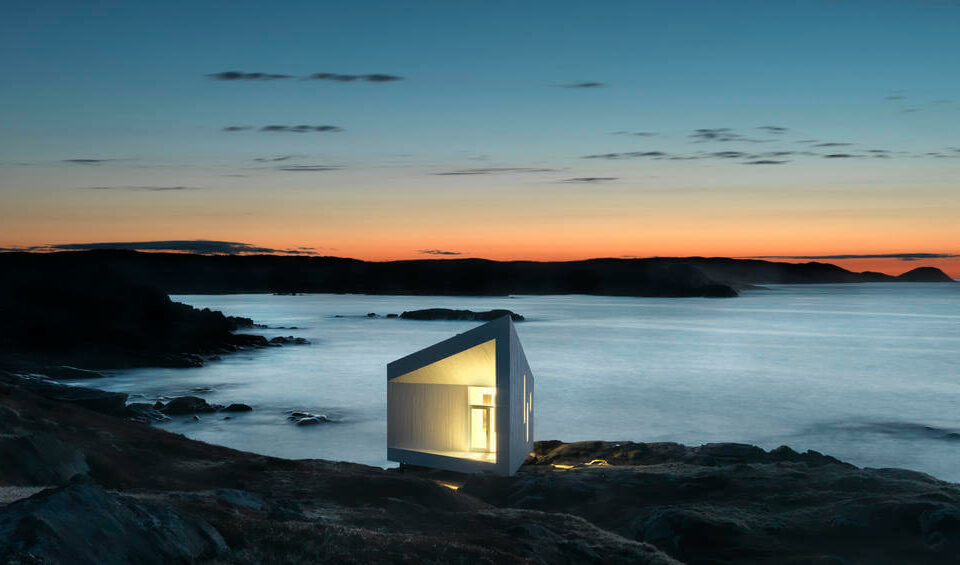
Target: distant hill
{"type": "Point", "coordinates": [654, 277]}
{"type": "Point", "coordinates": [739, 272]}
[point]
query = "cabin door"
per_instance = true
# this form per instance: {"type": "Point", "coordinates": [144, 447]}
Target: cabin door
{"type": "Point", "coordinates": [481, 424]}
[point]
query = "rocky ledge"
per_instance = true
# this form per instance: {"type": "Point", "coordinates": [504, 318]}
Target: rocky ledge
{"type": "Point", "coordinates": [69, 475]}
{"type": "Point", "coordinates": [59, 323]}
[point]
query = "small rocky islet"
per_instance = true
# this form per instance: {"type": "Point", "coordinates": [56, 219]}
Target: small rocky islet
{"type": "Point", "coordinates": [450, 314]}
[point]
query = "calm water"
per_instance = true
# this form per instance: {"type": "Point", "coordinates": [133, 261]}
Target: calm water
{"type": "Point", "coordinates": [867, 373]}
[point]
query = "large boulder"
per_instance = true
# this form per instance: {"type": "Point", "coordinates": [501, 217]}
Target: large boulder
{"type": "Point", "coordinates": [83, 523]}
{"type": "Point", "coordinates": [189, 405]}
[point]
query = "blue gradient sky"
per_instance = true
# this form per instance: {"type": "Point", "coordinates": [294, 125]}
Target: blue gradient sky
{"type": "Point", "coordinates": [483, 90]}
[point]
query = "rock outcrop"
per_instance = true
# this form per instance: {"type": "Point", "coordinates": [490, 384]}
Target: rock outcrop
{"type": "Point", "coordinates": [83, 523]}
{"type": "Point", "coordinates": [89, 317]}
{"type": "Point", "coordinates": [189, 405]}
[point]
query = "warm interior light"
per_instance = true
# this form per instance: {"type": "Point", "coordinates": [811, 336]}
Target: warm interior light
{"type": "Point", "coordinates": [447, 407]}
{"type": "Point", "coordinates": [597, 463]}
{"type": "Point", "coordinates": [559, 466]}
{"type": "Point", "coordinates": [483, 427]}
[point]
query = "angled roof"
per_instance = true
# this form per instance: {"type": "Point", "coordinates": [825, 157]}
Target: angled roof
{"type": "Point", "coordinates": [473, 348]}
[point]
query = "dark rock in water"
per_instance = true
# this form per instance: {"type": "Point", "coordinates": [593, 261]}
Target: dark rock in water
{"type": "Point", "coordinates": [925, 274]}
{"type": "Point", "coordinates": [237, 407]}
{"type": "Point", "coordinates": [307, 419]}
{"type": "Point", "coordinates": [393, 315]}
{"type": "Point", "coordinates": [39, 459]}
{"type": "Point", "coordinates": [63, 373]}
{"type": "Point", "coordinates": [467, 315]}
{"type": "Point", "coordinates": [289, 340]}
{"type": "Point", "coordinates": [86, 524]}
{"type": "Point", "coordinates": [189, 405]}
{"type": "Point", "coordinates": [145, 413]}
{"type": "Point", "coordinates": [372, 315]}
{"type": "Point", "coordinates": [312, 420]}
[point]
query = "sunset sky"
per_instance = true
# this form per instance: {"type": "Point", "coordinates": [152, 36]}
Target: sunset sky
{"type": "Point", "coordinates": [505, 130]}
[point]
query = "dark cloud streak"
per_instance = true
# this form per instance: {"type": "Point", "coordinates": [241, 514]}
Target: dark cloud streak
{"type": "Point", "coordinates": [438, 252]}
{"type": "Point", "coordinates": [494, 171]}
{"type": "Point", "coordinates": [584, 85]}
{"type": "Point", "coordinates": [144, 188]}
{"type": "Point", "coordinates": [898, 256]}
{"type": "Point", "coordinates": [589, 179]}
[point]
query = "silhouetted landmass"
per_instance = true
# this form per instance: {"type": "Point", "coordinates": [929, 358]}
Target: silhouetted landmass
{"type": "Point", "coordinates": [460, 315]}
{"type": "Point", "coordinates": [70, 475]}
{"type": "Point", "coordinates": [739, 272]}
{"type": "Point", "coordinates": [925, 274]}
{"type": "Point", "coordinates": [655, 277]}
{"type": "Point", "coordinates": [184, 274]}
{"type": "Point", "coordinates": [87, 315]}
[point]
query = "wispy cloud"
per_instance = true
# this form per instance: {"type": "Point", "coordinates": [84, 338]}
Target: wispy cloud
{"type": "Point", "coordinates": [438, 252]}
{"type": "Point", "coordinates": [774, 129]}
{"type": "Point", "coordinates": [589, 179]}
{"type": "Point", "coordinates": [275, 159]}
{"type": "Point", "coordinates": [702, 135]}
{"type": "Point", "coordinates": [840, 156]}
{"type": "Point", "coordinates": [198, 246]}
{"type": "Point", "coordinates": [627, 155]}
{"type": "Point", "coordinates": [274, 128]}
{"type": "Point", "coordinates": [336, 77]}
{"type": "Point", "coordinates": [636, 133]}
{"type": "Point", "coordinates": [585, 84]}
{"type": "Point", "coordinates": [832, 144]}
{"type": "Point", "coordinates": [88, 161]}
{"type": "Point", "coordinates": [145, 188]}
{"type": "Point", "coordinates": [898, 256]}
{"type": "Point", "coordinates": [301, 128]}
{"type": "Point", "coordinates": [308, 168]}
{"type": "Point", "coordinates": [495, 171]}
{"type": "Point", "coordinates": [240, 75]}
{"type": "Point", "coordinates": [766, 162]}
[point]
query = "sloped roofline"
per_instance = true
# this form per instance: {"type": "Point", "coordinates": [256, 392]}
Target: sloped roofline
{"type": "Point", "coordinates": [499, 329]}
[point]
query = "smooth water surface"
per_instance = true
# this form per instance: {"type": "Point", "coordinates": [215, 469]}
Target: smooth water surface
{"type": "Point", "coordinates": [868, 373]}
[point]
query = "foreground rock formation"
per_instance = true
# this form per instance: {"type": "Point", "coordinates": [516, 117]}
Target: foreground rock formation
{"type": "Point", "coordinates": [86, 487]}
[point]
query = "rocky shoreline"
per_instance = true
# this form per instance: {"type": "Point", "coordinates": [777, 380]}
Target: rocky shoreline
{"type": "Point", "coordinates": [69, 474]}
